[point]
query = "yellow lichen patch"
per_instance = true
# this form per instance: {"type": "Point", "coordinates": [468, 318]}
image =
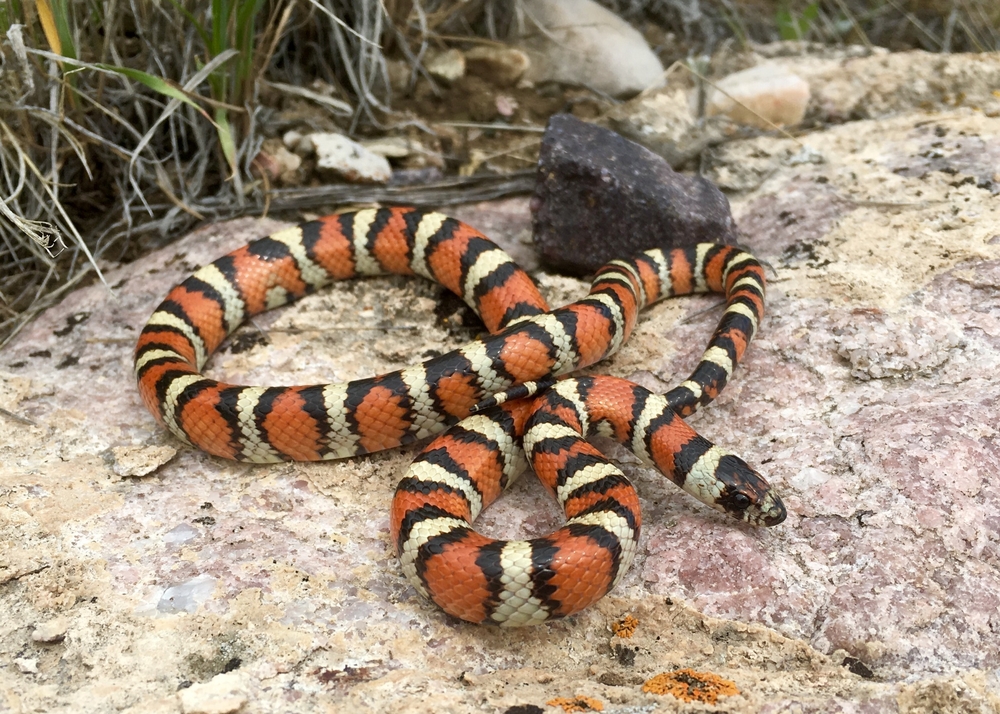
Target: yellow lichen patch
{"type": "Point", "coordinates": [625, 627]}
{"type": "Point", "coordinates": [577, 704]}
{"type": "Point", "coordinates": [691, 686]}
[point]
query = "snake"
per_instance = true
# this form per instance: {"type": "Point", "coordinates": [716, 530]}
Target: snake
{"type": "Point", "coordinates": [501, 400]}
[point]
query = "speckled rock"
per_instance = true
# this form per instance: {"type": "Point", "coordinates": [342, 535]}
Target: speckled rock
{"type": "Point", "coordinates": [844, 84]}
{"type": "Point", "coordinates": [882, 315]}
{"type": "Point", "coordinates": [853, 83]}
{"type": "Point", "coordinates": [870, 399]}
{"type": "Point", "coordinates": [347, 159]}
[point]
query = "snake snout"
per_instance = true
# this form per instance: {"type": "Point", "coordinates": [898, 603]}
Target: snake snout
{"type": "Point", "coordinates": [747, 495]}
{"type": "Point", "coordinates": [773, 511]}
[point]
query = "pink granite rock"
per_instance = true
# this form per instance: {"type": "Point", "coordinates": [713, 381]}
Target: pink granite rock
{"type": "Point", "coordinates": [869, 398]}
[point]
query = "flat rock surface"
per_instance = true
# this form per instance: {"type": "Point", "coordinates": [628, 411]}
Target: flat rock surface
{"type": "Point", "coordinates": [869, 399]}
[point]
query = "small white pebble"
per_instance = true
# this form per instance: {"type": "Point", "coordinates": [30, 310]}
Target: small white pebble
{"type": "Point", "coordinates": [27, 666]}
{"type": "Point", "coordinates": [506, 105]}
{"type": "Point", "coordinates": [447, 66]}
{"type": "Point", "coordinates": [51, 632]}
{"type": "Point", "coordinates": [291, 139]}
{"type": "Point", "coordinates": [349, 159]}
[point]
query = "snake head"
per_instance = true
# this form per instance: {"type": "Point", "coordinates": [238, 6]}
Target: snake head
{"type": "Point", "coordinates": [745, 494]}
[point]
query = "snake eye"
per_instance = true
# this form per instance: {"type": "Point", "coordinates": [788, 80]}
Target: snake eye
{"type": "Point", "coordinates": [741, 501]}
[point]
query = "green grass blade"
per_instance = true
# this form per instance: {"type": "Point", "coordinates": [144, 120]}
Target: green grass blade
{"type": "Point", "coordinates": [246, 25]}
{"type": "Point", "coordinates": [157, 84]}
{"type": "Point", "coordinates": [792, 26]}
{"type": "Point", "coordinates": [177, 95]}
{"type": "Point", "coordinates": [220, 26]}
{"type": "Point", "coordinates": [60, 11]}
{"type": "Point", "coordinates": [10, 14]}
{"type": "Point", "coordinates": [225, 132]}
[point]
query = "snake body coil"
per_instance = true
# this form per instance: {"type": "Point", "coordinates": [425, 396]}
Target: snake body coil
{"type": "Point", "coordinates": [464, 470]}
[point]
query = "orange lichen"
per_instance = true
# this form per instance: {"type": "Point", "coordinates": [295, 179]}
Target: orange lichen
{"type": "Point", "coordinates": [691, 686]}
{"type": "Point", "coordinates": [625, 627]}
{"type": "Point", "coordinates": [577, 704]}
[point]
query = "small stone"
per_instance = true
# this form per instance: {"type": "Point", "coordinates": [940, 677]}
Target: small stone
{"type": "Point", "coordinates": [180, 534]}
{"type": "Point", "coordinates": [503, 66]}
{"type": "Point", "coordinates": [399, 73]}
{"type": "Point", "coordinates": [337, 154]}
{"type": "Point", "coordinates": [187, 596]}
{"type": "Point", "coordinates": [579, 42]}
{"type": "Point", "coordinates": [762, 96]}
{"type": "Point", "coordinates": [601, 197]}
{"type": "Point", "coordinates": [612, 679]}
{"type": "Point", "coordinates": [663, 122]}
{"type": "Point", "coordinates": [26, 665]}
{"type": "Point", "coordinates": [51, 632]}
{"type": "Point", "coordinates": [506, 106]}
{"type": "Point", "coordinates": [806, 155]}
{"type": "Point", "coordinates": [447, 66]}
{"type": "Point", "coordinates": [291, 139]}
{"type": "Point", "coordinates": [223, 694]}
{"type": "Point", "coordinates": [136, 461]}
{"type": "Point", "coordinates": [276, 162]}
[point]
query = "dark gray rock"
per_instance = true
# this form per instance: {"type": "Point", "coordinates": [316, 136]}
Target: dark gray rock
{"type": "Point", "coordinates": [600, 196]}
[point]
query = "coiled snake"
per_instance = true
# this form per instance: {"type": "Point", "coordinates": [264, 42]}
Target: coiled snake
{"type": "Point", "coordinates": [486, 389]}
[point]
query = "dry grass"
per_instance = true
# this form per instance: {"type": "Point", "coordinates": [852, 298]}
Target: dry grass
{"type": "Point", "coordinates": [123, 122]}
